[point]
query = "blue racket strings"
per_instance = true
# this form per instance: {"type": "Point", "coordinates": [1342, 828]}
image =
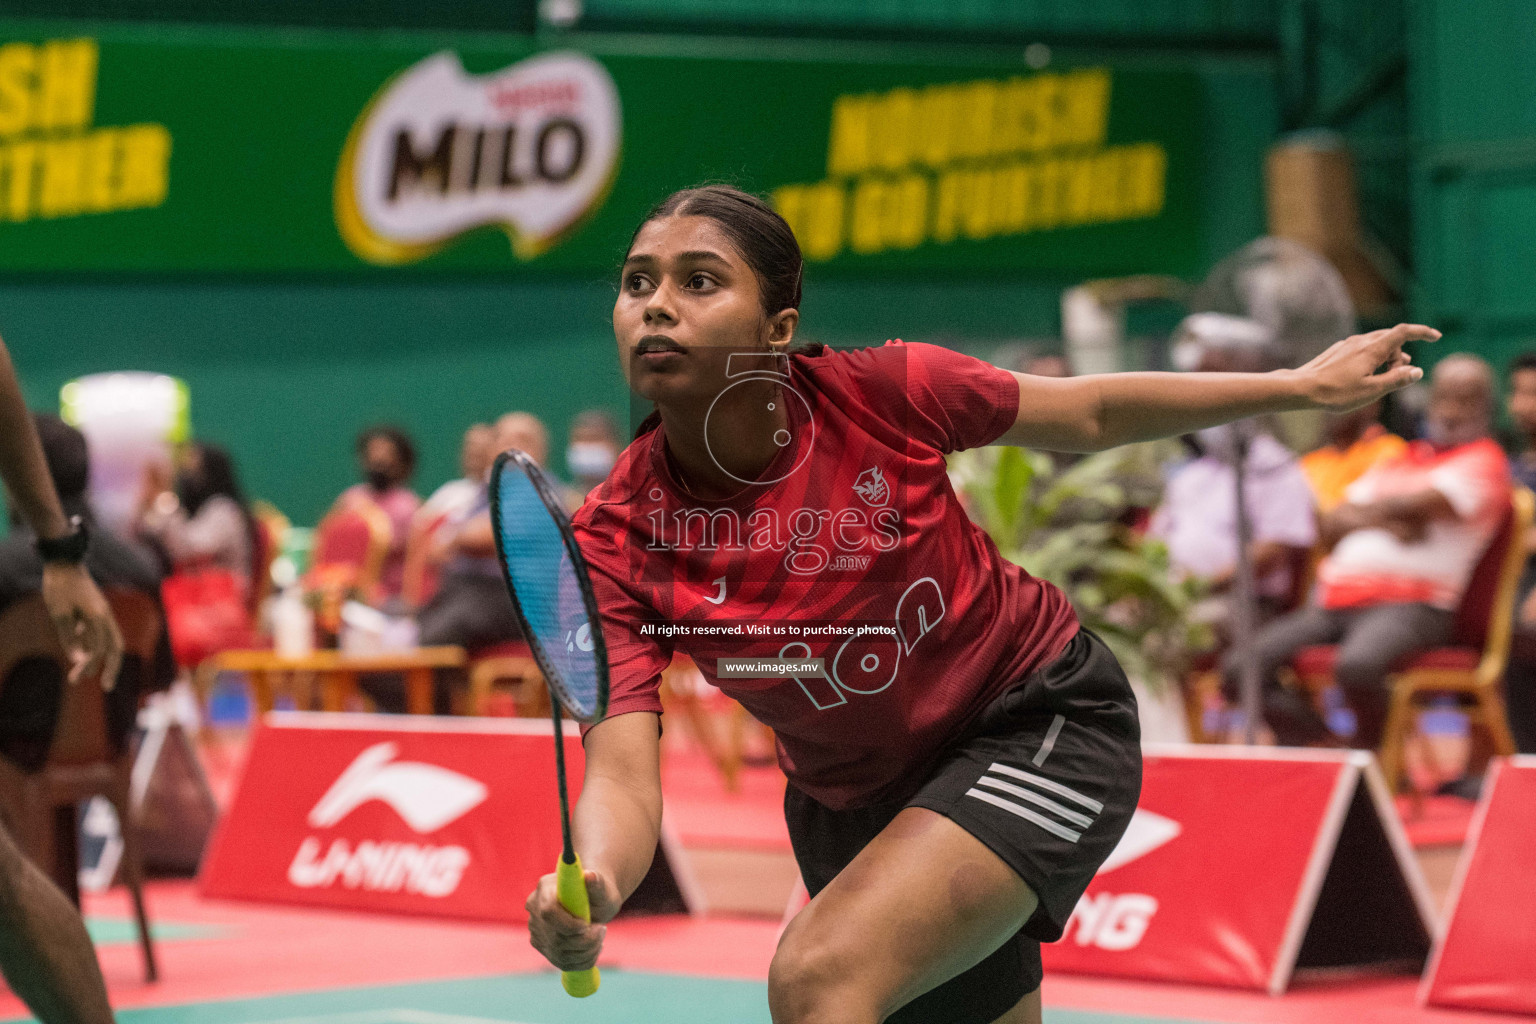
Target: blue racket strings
{"type": "Point", "coordinates": [547, 587]}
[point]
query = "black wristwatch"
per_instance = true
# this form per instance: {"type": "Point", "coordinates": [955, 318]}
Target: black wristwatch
{"type": "Point", "coordinates": [70, 548]}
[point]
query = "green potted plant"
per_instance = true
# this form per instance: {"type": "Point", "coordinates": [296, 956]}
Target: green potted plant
{"type": "Point", "coordinates": [1072, 522]}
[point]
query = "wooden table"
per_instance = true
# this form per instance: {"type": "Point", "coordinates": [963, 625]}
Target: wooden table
{"type": "Point", "coordinates": [337, 672]}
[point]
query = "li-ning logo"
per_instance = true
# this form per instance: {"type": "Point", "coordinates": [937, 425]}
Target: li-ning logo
{"type": "Point", "coordinates": [1120, 922]}
{"type": "Point", "coordinates": [533, 147]}
{"type": "Point", "coordinates": [1146, 832]}
{"type": "Point", "coordinates": [871, 486]}
{"type": "Point", "coordinates": [425, 796]}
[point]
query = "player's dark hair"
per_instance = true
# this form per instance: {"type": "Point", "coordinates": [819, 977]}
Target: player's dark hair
{"type": "Point", "coordinates": [1523, 361]}
{"type": "Point", "coordinates": [762, 237]}
{"type": "Point", "coordinates": [397, 438]}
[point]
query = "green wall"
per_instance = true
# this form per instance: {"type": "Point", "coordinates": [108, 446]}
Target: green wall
{"type": "Point", "coordinates": [1473, 89]}
{"type": "Point", "coordinates": [284, 371]}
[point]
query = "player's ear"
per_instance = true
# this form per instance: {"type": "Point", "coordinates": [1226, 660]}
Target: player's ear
{"type": "Point", "coordinates": [781, 328]}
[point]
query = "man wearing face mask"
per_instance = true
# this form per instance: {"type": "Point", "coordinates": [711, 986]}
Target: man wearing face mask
{"type": "Point", "coordinates": [1403, 545]}
{"type": "Point", "coordinates": [592, 451]}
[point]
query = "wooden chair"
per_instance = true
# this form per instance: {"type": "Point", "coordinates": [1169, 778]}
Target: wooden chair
{"type": "Point", "coordinates": [508, 663]}
{"type": "Point", "coordinates": [513, 663]}
{"type": "Point", "coordinates": [1472, 667]}
{"type": "Point", "coordinates": [81, 762]}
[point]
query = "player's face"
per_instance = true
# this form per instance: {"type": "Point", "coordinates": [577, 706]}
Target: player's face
{"type": "Point", "coordinates": [686, 301]}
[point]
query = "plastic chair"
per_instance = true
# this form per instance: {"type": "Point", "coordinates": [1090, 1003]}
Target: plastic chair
{"type": "Point", "coordinates": [348, 560]}
{"type": "Point", "coordinates": [355, 538]}
{"type": "Point", "coordinates": [1472, 667]}
{"type": "Point", "coordinates": [82, 761]}
{"type": "Point", "coordinates": [419, 576]}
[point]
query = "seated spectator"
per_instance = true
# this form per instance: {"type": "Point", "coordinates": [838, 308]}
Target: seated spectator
{"type": "Point", "coordinates": [442, 512]}
{"type": "Point", "coordinates": [1403, 546]}
{"type": "Point", "coordinates": [1356, 442]}
{"type": "Point", "coordinates": [387, 458]}
{"type": "Point", "coordinates": [206, 535]}
{"type": "Point", "coordinates": [1198, 519]}
{"type": "Point", "coordinates": [1198, 514]}
{"type": "Point", "coordinates": [30, 697]}
{"type": "Point", "coordinates": [476, 453]}
{"type": "Point", "coordinates": [200, 519]}
{"type": "Point", "coordinates": [1521, 406]}
{"type": "Point", "coordinates": [592, 451]}
{"type": "Point", "coordinates": [471, 607]}
{"type": "Point", "coordinates": [1520, 680]}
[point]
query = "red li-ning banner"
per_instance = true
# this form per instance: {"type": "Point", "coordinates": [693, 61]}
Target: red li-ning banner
{"type": "Point", "coordinates": [1486, 957]}
{"type": "Point", "coordinates": [449, 817]}
{"type": "Point", "coordinates": [1243, 865]}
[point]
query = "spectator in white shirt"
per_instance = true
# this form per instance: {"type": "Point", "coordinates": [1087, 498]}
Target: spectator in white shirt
{"type": "Point", "coordinates": [1403, 547]}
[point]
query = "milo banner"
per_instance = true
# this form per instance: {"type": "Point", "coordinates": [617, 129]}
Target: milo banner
{"type": "Point", "coordinates": [248, 150]}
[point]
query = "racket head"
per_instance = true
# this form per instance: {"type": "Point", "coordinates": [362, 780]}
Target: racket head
{"type": "Point", "coordinates": [548, 579]}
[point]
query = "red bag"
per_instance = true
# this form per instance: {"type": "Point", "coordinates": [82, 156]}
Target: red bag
{"type": "Point", "coordinates": [206, 613]}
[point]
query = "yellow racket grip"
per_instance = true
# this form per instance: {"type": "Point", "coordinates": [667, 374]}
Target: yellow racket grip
{"type": "Point", "coordinates": [571, 887]}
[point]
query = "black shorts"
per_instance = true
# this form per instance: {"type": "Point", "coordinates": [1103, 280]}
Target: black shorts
{"type": "Point", "coordinates": [1047, 777]}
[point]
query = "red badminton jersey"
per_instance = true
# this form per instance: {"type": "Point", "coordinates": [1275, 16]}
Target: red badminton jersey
{"type": "Point", "coordinates": [852, 548]}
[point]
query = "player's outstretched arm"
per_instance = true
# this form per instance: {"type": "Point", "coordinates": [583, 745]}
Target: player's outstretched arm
{"type": "Point", "coordinates": [616, 825]}
{"type": "Point", "coordinates": [1092, 413]}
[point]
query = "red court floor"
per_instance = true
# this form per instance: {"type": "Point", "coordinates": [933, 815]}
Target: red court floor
{"type": "Point", "coordinates": [212, 951]}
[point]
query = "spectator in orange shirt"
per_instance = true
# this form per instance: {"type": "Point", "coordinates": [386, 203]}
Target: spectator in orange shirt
{"type": "Point", "coordinates": [1356, 442]}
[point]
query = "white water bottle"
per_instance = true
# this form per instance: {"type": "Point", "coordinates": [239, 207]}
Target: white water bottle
{"type": "Point", "coordinates": [293, 624]}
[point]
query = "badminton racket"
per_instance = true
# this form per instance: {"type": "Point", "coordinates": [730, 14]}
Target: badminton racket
{"type": "Point", "coordinates": [550, 588]}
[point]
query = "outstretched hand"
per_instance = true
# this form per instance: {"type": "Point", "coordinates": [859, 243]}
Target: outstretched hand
{"type": "Point", "coordinates": [1364, 367]}
{"type": "Point", "coordinates": [84, 623]}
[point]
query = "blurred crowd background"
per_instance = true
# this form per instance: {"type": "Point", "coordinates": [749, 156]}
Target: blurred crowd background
{"type": "Point", "coordinates": [293, 356]}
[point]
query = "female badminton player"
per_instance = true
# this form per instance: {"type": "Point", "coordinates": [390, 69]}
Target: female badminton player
{"type": "Point", "coordinates": [966, 756]}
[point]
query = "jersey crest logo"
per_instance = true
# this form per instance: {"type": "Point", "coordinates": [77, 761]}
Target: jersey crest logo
{"type": "Point", "coordinates": [872, 487]}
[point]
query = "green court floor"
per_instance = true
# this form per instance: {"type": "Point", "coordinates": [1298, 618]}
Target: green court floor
{"type": "Point", "coordinates": [112, 931]}
{"type": "Point", "coordinates": [519, 999]}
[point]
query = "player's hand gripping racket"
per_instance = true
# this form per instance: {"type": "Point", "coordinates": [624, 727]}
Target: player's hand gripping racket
{"type": "Point", "coordinates": [547, 578]}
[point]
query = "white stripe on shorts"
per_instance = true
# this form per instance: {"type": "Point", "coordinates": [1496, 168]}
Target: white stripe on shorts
{"type": "Point", "coordinates": [1028, 815]}
{"type": "Point", "coordinates": [1050, 787]}
{"type": "Point", "coordinates": [1049, 743]}
{"type": "Point", "coordinates": [1080, 820]}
